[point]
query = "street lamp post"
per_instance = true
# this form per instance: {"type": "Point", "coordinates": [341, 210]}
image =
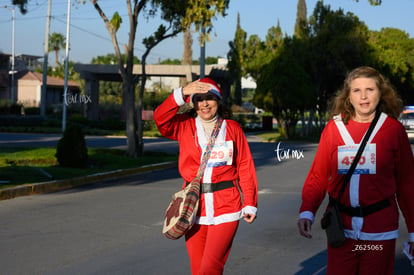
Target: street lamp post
{"type": "Point", "coordinates": [203, 47]}
{"type": "Point", "coordinates": [65, 92]}
{"type": "Point", "coordinates": [45, 60]}
{"type": "Point", "coordinates": [203, 53]}
{"type": "Point", "coordinates": [12, 68]}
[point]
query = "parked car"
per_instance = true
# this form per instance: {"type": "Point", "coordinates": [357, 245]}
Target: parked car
{"type": "Point", "coordinates": [407, 118]}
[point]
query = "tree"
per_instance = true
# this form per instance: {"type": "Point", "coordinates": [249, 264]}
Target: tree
{"type": "Point", "coordinates": [188, 52]}
{"type": "Point", "coordinates": [373, 2]}
{"type": "Point", "coordinates": [236, 60]}
{"type": "Point", "coordinates": [256, 56]}
{"type": "Point", "coordinates": [284, 88]}
{"type": "Point", "coordinates": [301, 20]}
{"type": "Point", "coordinates": [247, 58]}
{"type": "Point", "coordinates": [57, 41]}
{"type": "Point", "coordinates": [170, 61]}
{"type": "Point", "coordinates": [110, 91]}
{"type": "Point", "coordinates": [59, 72]}
{"type": "Point", "coordinates": [274, 38]}
{"type": "Point", "coordinates": [304, 73]}
{"type": "Point", "coordinates": [177, 15]}
{"type": "Point", "coordinates": [259, 53]}
{"type": "Point", "coordinates": [211, 60]}
{"type": "Point", "coordinates": [22, 5]}
{"type": "Point", "coordinates": [111, 59]}
{"type": "Point", "coordinates": [393, 55]}
{"type": "Point", "coordinates": [333, 53]}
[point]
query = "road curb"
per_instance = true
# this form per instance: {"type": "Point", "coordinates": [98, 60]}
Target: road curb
{"type": "Point", "coordinates": [55, 185]}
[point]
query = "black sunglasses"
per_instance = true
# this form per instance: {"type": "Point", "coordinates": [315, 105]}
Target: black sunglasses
{"type": "Point", "coordinates": [206, 96]}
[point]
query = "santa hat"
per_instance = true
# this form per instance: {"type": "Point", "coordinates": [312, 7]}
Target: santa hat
{"type": "Point", "coordinates": [214, 88]}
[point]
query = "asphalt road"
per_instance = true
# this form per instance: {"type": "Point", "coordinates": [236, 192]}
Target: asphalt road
{"type": "Point", "coordinates": [114, 227]}
{"type": "Point", "coordinates": [115, 142]}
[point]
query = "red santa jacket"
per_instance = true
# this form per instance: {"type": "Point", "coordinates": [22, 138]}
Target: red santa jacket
{"type": "Point", "coordinates": [230, 160]}
{"type": "Point", "coordinates": [391, 176]}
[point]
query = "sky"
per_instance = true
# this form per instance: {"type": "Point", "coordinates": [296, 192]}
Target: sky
{"type": "Point", "coordinates": [89, 38]}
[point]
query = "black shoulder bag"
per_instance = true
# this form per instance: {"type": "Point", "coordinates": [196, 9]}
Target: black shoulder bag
{"type": "Point", "coordinates": [331, 221]}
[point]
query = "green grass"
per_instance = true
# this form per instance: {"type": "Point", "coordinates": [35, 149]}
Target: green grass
{"type": "Point", "coordinates": [30, 165]}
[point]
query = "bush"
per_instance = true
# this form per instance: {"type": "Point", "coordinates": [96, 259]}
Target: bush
{"type": "Point", "coordinates": [149, 125]}
{"type": "Point", "coordinates": [112, 124]}
{"type": "Point", "coordinates": [71, 149]}
{"type": "Point", "coordinates": [8, 108]}
{"type": "Point", "coordinates": [32, 111]}
{"type": "Point", "coordinates": [20, 121]}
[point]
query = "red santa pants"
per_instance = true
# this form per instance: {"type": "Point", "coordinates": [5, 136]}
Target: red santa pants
{"type": "Point", "coordinates": [362, 257]}
{"type": "Point", "coordinates": [208, 247]}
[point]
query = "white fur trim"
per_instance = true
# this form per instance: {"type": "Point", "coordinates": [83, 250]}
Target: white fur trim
{"type": "Point", "coordinates": [382, 236]}
{"type": "Point", "coordinates": [307, 215]}
{"type": "Point", "coordinates": [178, 96]}
{"type": "Point", "coordinates": [249, 210]}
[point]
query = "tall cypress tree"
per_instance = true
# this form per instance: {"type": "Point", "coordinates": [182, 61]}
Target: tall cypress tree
{"type": "Point", "coordinates": [236, 58]}
{"type": "Point", "coordinates": [301, 20]}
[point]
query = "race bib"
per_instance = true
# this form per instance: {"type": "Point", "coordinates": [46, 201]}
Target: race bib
{"type": "Point", "coordinates": [367, 163]}
{"type": "Point", "coordinates": [222, 154]}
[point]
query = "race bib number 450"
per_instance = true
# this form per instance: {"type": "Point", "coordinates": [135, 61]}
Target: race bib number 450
{"type": "Point", "coordinates": [367, 163]}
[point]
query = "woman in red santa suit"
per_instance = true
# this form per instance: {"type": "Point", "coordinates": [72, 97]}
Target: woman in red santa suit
{"type": "Point", "coordinates": [382, 181]}
{"type": "Point", "coordinates": [230, 170]}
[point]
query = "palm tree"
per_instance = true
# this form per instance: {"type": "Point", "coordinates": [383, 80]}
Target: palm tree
{"type": "Point", "coordinates": [57, 41]}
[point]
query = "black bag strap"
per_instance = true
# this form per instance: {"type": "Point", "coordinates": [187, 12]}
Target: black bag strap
{"type": "Point", "coordinates": [359, 153]}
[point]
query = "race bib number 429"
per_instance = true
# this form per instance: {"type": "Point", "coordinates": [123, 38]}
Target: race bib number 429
{"type": "Point", "coordinates": [222, 154]}
{"type": "Point", "coordinates": [367, 163]}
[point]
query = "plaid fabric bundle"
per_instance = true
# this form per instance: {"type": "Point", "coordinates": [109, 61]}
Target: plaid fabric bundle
{"type": "Point", "coordinates": [182, 210]}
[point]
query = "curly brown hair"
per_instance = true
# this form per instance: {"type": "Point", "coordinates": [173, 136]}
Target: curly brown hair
{"type": "Point", "coordinates": [390, 103]}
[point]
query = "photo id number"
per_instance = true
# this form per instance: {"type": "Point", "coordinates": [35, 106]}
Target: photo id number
{"type": "Point", "coordinates": [368, 247]}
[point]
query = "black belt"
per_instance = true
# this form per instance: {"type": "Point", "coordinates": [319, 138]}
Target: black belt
{"type": "Point", "coordinates": [208, 187]}
{"type": "Point", "coordinates": [362, 211]}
